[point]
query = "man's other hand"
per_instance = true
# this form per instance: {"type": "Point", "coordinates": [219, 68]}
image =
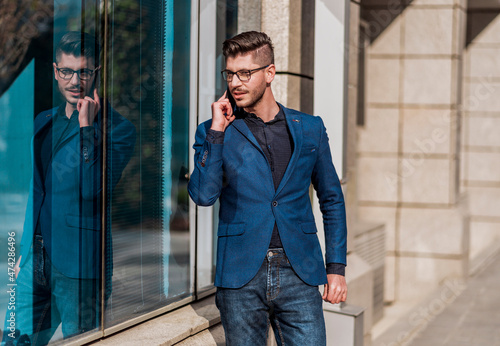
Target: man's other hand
{"type": "Point", "coordinates": [336, 289]}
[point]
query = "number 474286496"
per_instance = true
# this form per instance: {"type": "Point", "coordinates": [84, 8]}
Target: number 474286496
{"type": "Point", "coordinates": [11, 256]}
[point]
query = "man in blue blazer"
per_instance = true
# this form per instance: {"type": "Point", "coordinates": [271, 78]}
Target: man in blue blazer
{"type": "Point", "coordinates": [59, 266]}
{"type": "Point", "coordinates": [259, 159]}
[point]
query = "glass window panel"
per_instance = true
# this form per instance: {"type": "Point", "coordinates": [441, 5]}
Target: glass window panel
{"type": "Point", "coordinates": [148, 207]}
{"type": "Point", "coordinates": [51, 174]}
{"type": "Point", "coordinates": [16, 129]}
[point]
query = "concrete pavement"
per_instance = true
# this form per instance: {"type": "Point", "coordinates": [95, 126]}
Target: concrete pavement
{"type": "Point", "coordinates": [457, 314]}
{"type": "Point", "coordinates": [473, 318]}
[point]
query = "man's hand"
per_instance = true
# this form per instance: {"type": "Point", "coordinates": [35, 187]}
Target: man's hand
{"type": "Point", "coordinates": [336, 289]}
{"type": "Point", "coordinates": [88, 108]}
{"type": "Point", "coordinates": [222, 114]}
{"type": "Point", "coordinates": [17, 268]}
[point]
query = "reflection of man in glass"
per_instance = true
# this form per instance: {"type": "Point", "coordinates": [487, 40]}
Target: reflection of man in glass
{"type": "Point", "coordinates": [59, 266]}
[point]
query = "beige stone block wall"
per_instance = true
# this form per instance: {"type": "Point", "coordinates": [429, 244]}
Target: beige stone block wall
{"type": "Point", "coordinates": [482, 95]}
{"type": "Point", "coordinates": [482, 130]}
{"type": "Point", "coordinates": [484, 202]}
{"type": "Point", "coordinates": [420, 276]}
{"type": "Point", "coordinates": [429, 131]}
{"type": "Point", "coordinates": [377, 179]}
{"type": "Point", "coordinates": [431, 232]}
{"type": "Point", "coordinates": [426, 181]}
{"type": "Point", "coordinates": [427, 81]}
{"type": "Point", "coordinates": [480, 169]}
{"type": "Point", "coordinates": [408, 142]}
{"type": "Point", "coordinates": [484, 167]}
{"type": "Point", "coordinates": [482, 235]}
{"type": "Point", "coordinates": [379, 122]}
{"type": "Point", "coordinates": [484, 62]}
{"type": "Point", "coordinates": [425, 23]}
{"type": "Point", "coordinates": [382, 81]}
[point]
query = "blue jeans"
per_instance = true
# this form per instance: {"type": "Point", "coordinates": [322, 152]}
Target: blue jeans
{"type": "Point", "coordinates": [45, 298]}
{"type": "Point", "coordinates": [276, 296]}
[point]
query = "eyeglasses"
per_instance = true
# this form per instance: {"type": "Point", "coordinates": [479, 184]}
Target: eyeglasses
{"type": "Point", "coordinates": [243, 75]}
{"type": "Point", "coordinates": [83, 74]}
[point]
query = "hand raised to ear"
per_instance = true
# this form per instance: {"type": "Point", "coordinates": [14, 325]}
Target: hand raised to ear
{"type": "Point", "coordinates": [222, 113]}
{"type": "Point", "coordinates": [87, 109]}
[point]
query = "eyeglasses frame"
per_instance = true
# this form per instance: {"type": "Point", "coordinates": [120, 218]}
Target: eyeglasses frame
{"type": "Point", "coordinates": [77, 72]}
{"type": "Point", "coordinates": [232, 74]}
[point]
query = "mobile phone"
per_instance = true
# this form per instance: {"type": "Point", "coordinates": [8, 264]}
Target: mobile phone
{"type": "Point", "coordinates": [236, 109]}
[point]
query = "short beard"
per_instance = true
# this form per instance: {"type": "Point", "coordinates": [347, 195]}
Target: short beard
{"type": "Point", "coordinates": [257, 100]}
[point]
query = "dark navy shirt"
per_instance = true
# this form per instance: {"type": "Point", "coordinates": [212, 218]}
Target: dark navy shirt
{"type": "Point", "coordinates": [276, 142]}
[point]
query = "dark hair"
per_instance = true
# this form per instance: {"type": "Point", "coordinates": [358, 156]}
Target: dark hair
{"type": "Point", "coordinates": [257, 43]}
{"type": "Point", "coordinates": [78, 44]}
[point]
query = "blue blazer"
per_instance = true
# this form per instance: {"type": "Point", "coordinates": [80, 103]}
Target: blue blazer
{"type": "Point", "coordinates": [238, 174]}
{"type": "Point", "coordinates": [67, 202]}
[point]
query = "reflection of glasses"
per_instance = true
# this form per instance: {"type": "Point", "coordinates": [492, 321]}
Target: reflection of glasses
{"type": "Point", "coordinates": [243, 75]}
{"type": "Point", "coordinates": [83, 74]}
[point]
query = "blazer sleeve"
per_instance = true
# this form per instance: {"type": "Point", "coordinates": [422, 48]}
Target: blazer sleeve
{"type": "Point", "coordinates": [205, 183]}
{"type": "Point", "coordinates": [331, 201]}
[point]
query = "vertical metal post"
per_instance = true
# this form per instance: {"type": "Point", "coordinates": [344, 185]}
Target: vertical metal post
{"type": "Point", "coordinates": [104, 113]}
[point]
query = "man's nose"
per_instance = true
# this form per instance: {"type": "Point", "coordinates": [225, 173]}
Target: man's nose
{"type": "Point", "coordinates": [235, 82]}
{"type": "Point", "coordinates": [75, 79]}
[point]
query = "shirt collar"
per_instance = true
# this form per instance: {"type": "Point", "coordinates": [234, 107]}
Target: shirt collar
{"type": "Point", "coordinates": [61, 114]}
{"type": "Point", "coordinates": [278, 117]}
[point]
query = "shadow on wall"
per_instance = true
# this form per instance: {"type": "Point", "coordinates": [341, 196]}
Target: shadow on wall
{"type": "Point", "coordinates": [379, 14]}
{"type": "Point", "coordinates": [475, 27]}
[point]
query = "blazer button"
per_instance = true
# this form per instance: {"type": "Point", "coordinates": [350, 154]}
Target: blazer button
{"type": "Point", "coordinates": [275, 203]}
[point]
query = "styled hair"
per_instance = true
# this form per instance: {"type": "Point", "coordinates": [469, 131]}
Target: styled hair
{"type": "Point", "coordinates": [79, 44]}
{"type": "Point", "coordinates": [257, 43]}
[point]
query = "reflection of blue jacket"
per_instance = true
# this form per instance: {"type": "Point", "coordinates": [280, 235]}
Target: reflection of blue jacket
{"type": "Point", "coordinates": [237, 172]}
{"type": "Point", "coordinates": [67, 203]}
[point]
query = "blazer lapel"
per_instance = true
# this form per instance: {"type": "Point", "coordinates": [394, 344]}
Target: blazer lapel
{"type": "Point", "coordinates": [293, 120]}
{"type": "Point", "coordinates": [241, 126]}
{"type": "Point", "coordinates": [41, 123]}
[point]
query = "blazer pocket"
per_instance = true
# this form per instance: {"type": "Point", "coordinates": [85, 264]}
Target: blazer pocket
{"type": "Point", "coordinates": [89, 223]}
{"type": "Point", "coordinates": [230, 229]}
{"type": "Point", "coordinates": [309, 227]}
{"type": "Point", "coordinates": [308, 148]}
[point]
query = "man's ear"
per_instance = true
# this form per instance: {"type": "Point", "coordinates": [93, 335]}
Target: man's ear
{"type": "Point", "coordinates": [55, 71]}
{"type": "Point", "coordinates": [270, 73]}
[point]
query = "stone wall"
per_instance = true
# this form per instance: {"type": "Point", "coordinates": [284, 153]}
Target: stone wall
{"type": "Point", "coordinates": [408, 141]}
{"type": "Point", "coordinates": [480, 147]}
